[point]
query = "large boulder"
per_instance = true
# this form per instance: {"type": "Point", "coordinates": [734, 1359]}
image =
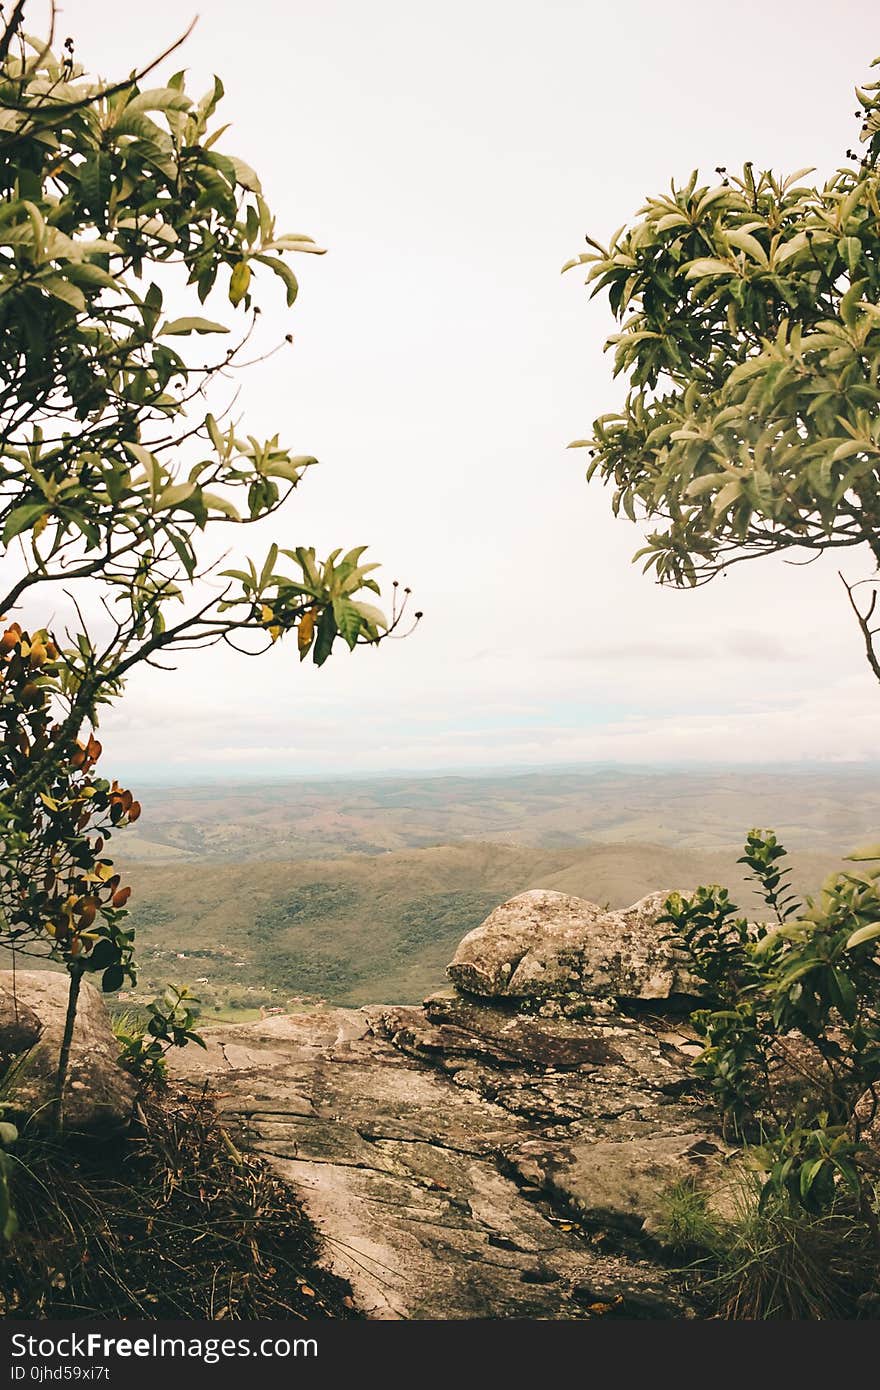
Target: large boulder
{"type": "Point", "coordinates": [99, 1097]}
{"type": "Point", "coordinates": [19, 1025]}
{"type": "Point", "coordinates": [543, 945]}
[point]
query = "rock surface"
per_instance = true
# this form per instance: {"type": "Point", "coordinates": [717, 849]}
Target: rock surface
{"type": "Point", "coordinates": [418, 1180]}
{"type": "Point", "coordinates": [502, 1151]}
{"type": "Point", "coordinates": [544, 945]}
{"type": "Point", "coordinates": [19, 1025]}
{"type": "Point", "coordinates": [100, 1096]}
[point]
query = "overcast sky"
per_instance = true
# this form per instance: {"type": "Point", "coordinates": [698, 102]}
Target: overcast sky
{"type": "Point", "coordinates": [451, 157]}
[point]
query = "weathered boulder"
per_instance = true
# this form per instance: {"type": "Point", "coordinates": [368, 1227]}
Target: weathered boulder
{"type": "Point", "coordinates": [99, 1096]}
{"type": "Point", "coordinates": [19, 1025]}
{"type": "Point", "coordinates": [544, 945]}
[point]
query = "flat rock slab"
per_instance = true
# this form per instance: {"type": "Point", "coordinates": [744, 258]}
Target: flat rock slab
{"type": "Point", "coordinates": [408, 1172]}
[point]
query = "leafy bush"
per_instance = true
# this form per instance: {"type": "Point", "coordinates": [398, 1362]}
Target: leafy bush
{"type": "Point", "coordinates": [791, 1025]}
{"type": "Point", "coordinates": [169, 1023]}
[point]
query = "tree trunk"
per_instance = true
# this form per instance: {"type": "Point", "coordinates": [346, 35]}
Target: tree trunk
{"type": "Point", "coordinates": [76, 974]}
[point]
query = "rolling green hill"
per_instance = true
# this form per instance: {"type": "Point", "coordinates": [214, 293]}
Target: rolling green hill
{"type": "Point", "coordinates": [375, 929]}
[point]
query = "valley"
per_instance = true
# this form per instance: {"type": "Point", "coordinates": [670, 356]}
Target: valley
{"type": "Point", "coordinates": [358, 892]}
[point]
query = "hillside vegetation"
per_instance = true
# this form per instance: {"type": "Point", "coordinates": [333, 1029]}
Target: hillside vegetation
{"type": "Point", "coordinates": [366, 929]}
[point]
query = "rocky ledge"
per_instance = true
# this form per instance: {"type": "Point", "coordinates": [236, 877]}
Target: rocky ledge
{"type": "Point", "coordinates": [502, 1151]}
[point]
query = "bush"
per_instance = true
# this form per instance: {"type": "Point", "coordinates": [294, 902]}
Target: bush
{"type": "Point", "coordinates": [791, 1026]}
{"type": "Point", "coordinates": [144, 1040]}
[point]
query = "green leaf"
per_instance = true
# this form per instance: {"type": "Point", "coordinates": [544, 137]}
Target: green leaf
{"type": "Point", "coordinates": [348, 620]}
{"type": "Point", "coordinates": [866, 853]}
{"type": "Point", "coordinates": [174, 495]}
{"type": "Point", "coordinates": [220, 504]}
{"type": "Point", "coordinates": [159, 99]}
{"type": "Point", "coordinates": [112, 979]}
{"type": "Point", "coordinates": [190, 325]}
{"type": "Point", "coordinates": [22, 519]}
{"type": "Point", "coordinates": [708, 265]}
{"type": "Point", "coordinates": [325, 637]}
{"type": "Point", "coordinates": [62, 289]}
{"type": "Point", "coordinates": [244, 175]}
{"type": "Point", "coordinates": [858, 938]}
{"type": "Point", "coordinates": [371, 614]}
{"type": "Point", "coordinates": [283, 270]}
{"type": "Point", "coordinates": [103, 955]}
{"type": "Point", "coordinates": [95, 183]}
{"type": "Point", "coordinates": [809, 1172]}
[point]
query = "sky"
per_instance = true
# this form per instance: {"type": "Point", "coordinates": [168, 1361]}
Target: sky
{"type": "Point", "coordinates": [451, 158]}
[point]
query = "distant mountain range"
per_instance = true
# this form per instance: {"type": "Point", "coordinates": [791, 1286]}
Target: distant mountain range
{"type": "Point", "coordinates": [824, 809]}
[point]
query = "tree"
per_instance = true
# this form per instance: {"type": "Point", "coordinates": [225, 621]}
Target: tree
{"type": "Point", "coordinates": [116, 197]}
{"type": "Point", "coordinates": [750, 342]}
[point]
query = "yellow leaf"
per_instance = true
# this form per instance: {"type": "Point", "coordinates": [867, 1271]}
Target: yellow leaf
{"type": "Point", "coordinates": [238, 284]}
{"type": "Point", "coordinates": [306, 630]}
{"type": "Point", "coordinates": [600, 1309]}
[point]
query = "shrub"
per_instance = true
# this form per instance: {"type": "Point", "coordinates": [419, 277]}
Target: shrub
{"type": "Point", "coordinates": [791, 1025]}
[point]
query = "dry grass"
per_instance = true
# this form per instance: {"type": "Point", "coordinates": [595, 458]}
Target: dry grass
{"type": "Point", "coordinates": [169, 1222]}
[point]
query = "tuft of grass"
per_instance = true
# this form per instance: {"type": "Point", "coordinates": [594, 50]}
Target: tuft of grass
{"type": "Point", "coordinates": [128, 1023]}
{"type": "Point", "coordinates": [170, 1221]}
{"type": "Point", "coordinates": [771, 1260]}
{"type": "Point", "coordinates": [781, 1262]}
{"type": "Point", "coordinates": [686, 1224]}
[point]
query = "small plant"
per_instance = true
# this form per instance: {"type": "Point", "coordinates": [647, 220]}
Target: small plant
{"type": "Point", "coordinates": [791, 1026]}
{"type": "Point", "coordinates": [170, 1024]}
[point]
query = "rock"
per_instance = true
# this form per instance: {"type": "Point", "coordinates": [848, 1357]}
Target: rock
{"type": "Point", "coordinates": [504, 1150]}
{"type": "Point", "coordinates": [404, 1170]}
{"type": "Point", "coordinates": [99, 1097]}
{"type": "Point", "coordinates": [544, 945]}
{"type": "Point", "coordinates": [19, 1025]}
{"type": "Point", "coordinates": [621, 1184]}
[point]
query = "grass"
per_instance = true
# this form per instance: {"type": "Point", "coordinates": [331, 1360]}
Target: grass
{"type": "Point", "coordinates": [771, 1262]}
{"type": "Point", "coordinates": [686, 1225]}
{"type": "Point", "coordinates": [782, 1262]}
{"type": "Point", "coordinates": [170, 1221]}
